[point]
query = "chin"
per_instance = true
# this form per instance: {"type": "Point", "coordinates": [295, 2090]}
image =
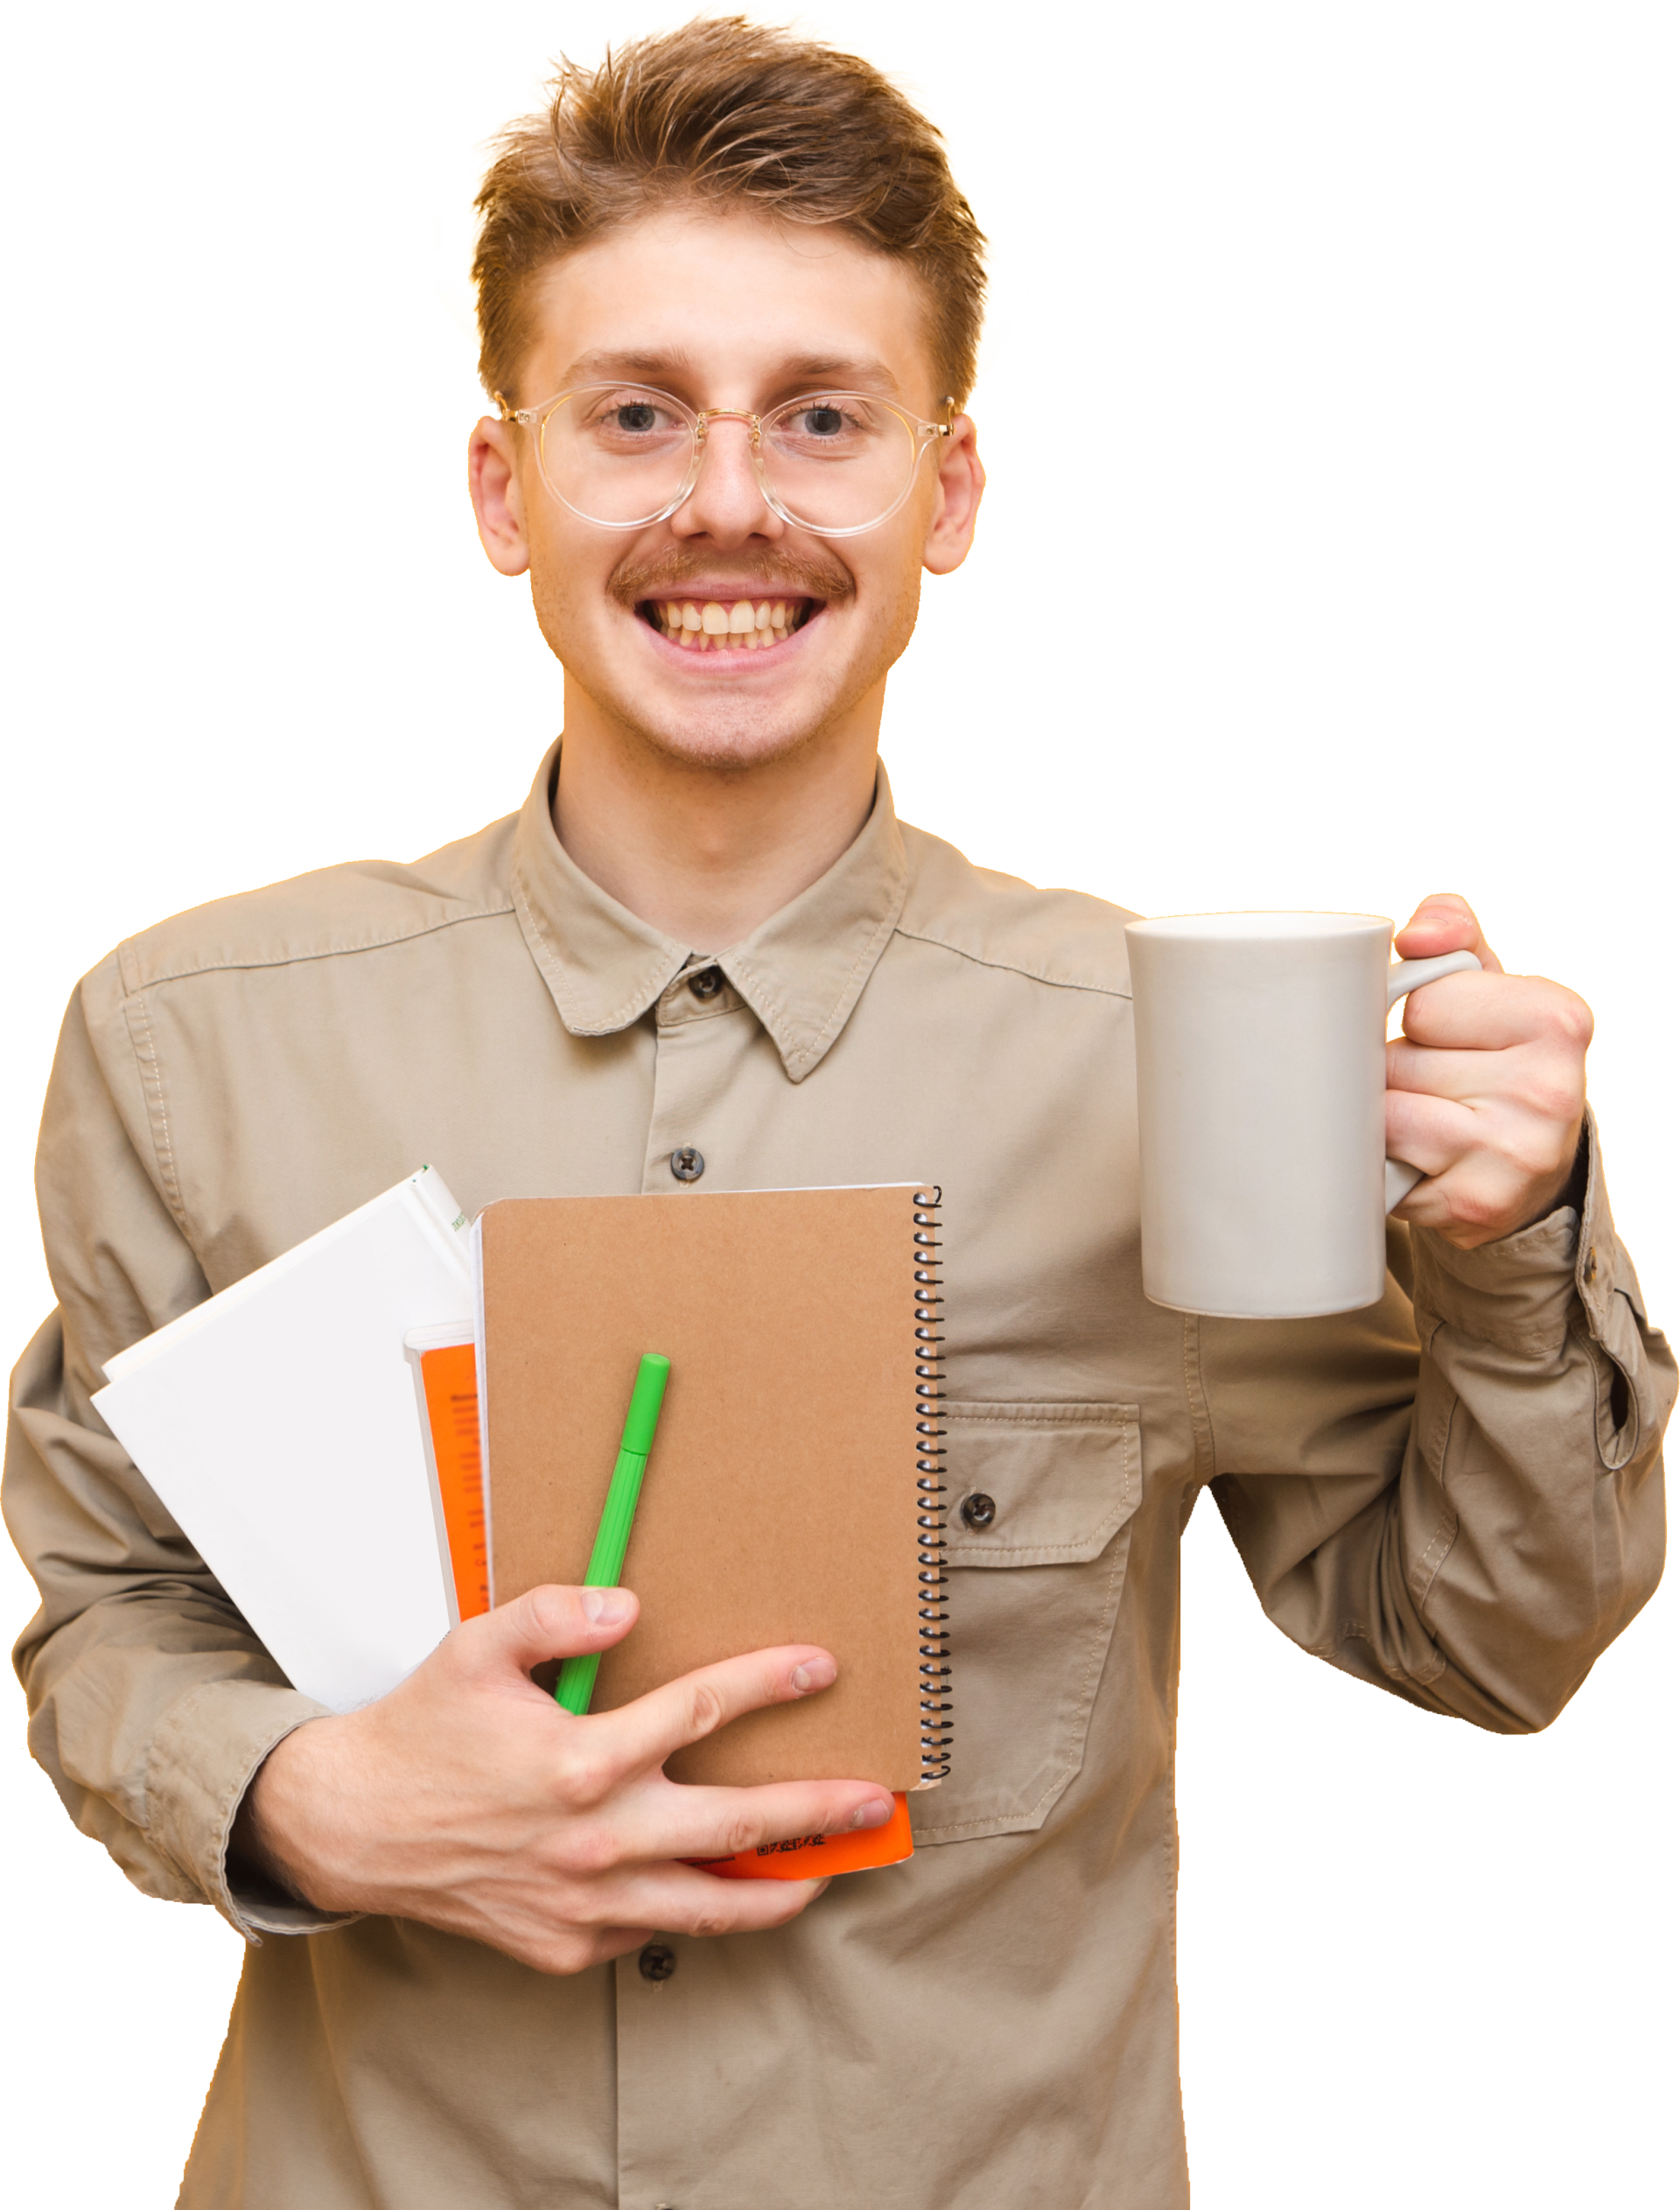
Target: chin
{"type": "Point", "coordinates": [723, 726]}
{"type": "Point", "coordinates": [723, 739]}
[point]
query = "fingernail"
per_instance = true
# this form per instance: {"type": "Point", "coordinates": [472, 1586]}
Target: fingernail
{"type": "Point", "coordinates": [876, 1814]}
{"type": "Point", "coordinates": [605, 1607]}
{"type": "Point", "coordinates": [815, 1673]}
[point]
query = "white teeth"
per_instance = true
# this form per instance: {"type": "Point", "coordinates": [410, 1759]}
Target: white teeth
{"type": "Point", "coordinates": [715, 627]}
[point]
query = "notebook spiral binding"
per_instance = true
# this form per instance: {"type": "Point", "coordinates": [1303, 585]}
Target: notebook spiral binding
{"type": "Point", "coordinates": [930, 1496]}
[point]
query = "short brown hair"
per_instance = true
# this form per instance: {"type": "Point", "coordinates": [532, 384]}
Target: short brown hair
{"type": "Point", "coordinates": [724, 111]}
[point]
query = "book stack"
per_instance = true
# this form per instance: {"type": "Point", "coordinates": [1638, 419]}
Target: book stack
{"type": "Point", "coordinates": [410, 1417]}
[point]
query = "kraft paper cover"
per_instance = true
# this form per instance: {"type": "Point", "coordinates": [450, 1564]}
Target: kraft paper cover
{"type": "Point", "coordinates": [779, 1503]}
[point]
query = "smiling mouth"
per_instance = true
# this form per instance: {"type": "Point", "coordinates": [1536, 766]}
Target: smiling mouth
{"type": "Point", "coordinates": [744, 625]}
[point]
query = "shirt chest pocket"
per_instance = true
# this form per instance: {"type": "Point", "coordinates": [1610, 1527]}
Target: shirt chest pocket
{"type": "Point", "coordinates": [1040, 1498]}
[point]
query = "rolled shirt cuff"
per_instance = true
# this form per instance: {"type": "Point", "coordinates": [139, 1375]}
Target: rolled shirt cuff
{"type": "Point", "coordinates": [1565, 1271]}
{"type": "Point", "coordinates": [1521, 1291]}
{"type": "Point", "coordinates": [204, 1756]}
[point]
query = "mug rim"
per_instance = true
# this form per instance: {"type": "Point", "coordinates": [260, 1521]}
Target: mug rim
{"type": "Point", "coordinates": [1256, 926]}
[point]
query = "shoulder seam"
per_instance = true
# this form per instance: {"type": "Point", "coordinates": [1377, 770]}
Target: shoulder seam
{"type": "Point", "coordinates": [231, 965]}
{"type": "Point", "coordinates": [1011, 966]}
{"type": "Point", "coordinates": [143, 1046]}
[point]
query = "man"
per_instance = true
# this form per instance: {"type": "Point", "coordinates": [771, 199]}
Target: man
{"type": "Point", "coordinates": [729, 299]}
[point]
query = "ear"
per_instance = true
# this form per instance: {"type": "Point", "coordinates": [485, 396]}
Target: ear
{"type": "Point", "coordinates": [959, 480]}
{"type": "Point", "coordinates": [498, 497]}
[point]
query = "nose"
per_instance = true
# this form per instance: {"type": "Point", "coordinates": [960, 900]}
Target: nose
{"type": "Point", "coordinates": [727, 503]}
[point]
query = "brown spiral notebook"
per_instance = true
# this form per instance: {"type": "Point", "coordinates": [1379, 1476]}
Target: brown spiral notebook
{"type": "Point", "coordinates": [793, 1491]}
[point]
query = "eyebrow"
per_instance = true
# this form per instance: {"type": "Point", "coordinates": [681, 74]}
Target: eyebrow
{"type": "Point", "coordinates": [795, 372]}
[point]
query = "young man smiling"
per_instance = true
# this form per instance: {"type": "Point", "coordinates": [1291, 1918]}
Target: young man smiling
{"type": "Point", "coordinates": [695, 390]}
{"type": "Point", "coordinates": [730, 301]}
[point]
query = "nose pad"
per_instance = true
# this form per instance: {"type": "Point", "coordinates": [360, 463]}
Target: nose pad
{"type": "Point", "coordinates": [728, 497]}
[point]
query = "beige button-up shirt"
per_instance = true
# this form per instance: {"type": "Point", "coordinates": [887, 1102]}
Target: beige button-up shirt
{"type": "Point", "coordinates": [1453, 1496]}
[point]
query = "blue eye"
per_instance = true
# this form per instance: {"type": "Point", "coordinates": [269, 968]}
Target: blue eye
{"type": "Point", "coordinates": [823, 422]}
{"type": "Point", "coordinates": [638, 416]}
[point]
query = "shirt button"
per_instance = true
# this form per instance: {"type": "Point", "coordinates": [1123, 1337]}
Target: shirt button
{"type": "Point", "coordinates": [656, 1962]}
{"type": "Point", "coordinates": [687, 1163]}
{"type": "Point", "coordinates": [707, 982]}
{"type": "Point", "coordinates": [978, 1510]}
{"type": "Point", "coordinates": [1591, 1270]}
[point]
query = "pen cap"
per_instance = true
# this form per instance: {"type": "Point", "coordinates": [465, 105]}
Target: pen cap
{"type": "Point", "coordinates": [645, 1400]}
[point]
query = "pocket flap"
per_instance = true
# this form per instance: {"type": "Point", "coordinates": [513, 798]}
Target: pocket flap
{"type": "Point", "coordinates": [1058, 1479]}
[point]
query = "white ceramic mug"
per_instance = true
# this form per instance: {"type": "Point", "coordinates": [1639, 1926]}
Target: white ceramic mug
{"type": "Point", "coordinates": [1261, 1073]}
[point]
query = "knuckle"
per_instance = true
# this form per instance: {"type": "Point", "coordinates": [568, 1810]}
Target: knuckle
{"type": "Point", "coordinates": [587, 1775]}
{"type": "Point", "coordinates": [1477, 1209]}
{"type": "Point", "coordinates": [740, 1831]}
{"type": "Point", "coordinates": [710, 1921]}
{"type": "Point", "coordinates": [538, 1615]}
{"type": "Point", "coordinates": [589, 1849]}
{"type": "Point", "coordinates": [1555, 1093]}
{"type": "Point", "coordinates": [565, 1954]}
{"type": "Point", "coordinates": [1554, 1015]}
{"type": "Point", "coordinates": [706, 1712]}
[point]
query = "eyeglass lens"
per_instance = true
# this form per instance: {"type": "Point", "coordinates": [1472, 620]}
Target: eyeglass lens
{"type": "Point", "coordinates": [622, 454]}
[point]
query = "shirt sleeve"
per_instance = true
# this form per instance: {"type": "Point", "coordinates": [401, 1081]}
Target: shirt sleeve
{"type": "Point", "coordinates": [1458, 1495]}
{"type": "Point", "coordinates": [151, 1703]}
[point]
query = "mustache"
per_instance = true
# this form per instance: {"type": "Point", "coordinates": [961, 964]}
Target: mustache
{"type": "Point", "coordinates": [807, 578]}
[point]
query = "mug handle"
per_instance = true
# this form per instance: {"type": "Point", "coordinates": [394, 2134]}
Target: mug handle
{"type": "Point", "coordinates": [1399, 1176]}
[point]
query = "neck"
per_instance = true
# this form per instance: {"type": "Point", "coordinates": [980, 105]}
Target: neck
{"type": "Point", "coordinates": [706, 853]}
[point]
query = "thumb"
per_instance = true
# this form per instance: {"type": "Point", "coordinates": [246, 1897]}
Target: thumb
{"type": "Point", "coordinates": [1445, 922]}
{"type": "Point", "coordinates": [546, 1622]}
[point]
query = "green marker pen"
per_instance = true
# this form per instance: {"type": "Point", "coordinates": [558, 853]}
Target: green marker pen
{"type": "Point", "coordinates": [577, 1683]}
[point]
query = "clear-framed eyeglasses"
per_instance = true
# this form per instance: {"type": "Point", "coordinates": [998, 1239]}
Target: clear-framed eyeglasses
{"type": "Point", "coordinates": [835, 462]}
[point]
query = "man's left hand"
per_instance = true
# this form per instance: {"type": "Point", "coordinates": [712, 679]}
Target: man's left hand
{"type": "Point", "coordinates": [1487, 1088]}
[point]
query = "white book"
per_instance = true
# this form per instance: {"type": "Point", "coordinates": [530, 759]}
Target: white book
{"type": "Point", "coordinates": [278, 1423]}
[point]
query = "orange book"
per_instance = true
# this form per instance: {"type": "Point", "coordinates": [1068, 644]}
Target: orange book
{"type": "Point", "coordinates": [815, 1857]}
{"type": "Point", "coordinates": [447, 1370]}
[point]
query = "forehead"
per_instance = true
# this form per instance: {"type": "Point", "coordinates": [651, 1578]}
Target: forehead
{"type": "Point", "coordinates": [726, 308]}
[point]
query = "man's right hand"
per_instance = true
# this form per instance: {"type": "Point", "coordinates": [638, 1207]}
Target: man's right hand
{"type": "Point", "coordinates": [468, 1799]}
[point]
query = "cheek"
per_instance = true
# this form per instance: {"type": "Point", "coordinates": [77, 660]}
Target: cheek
{"type": "Point", "coordinates": [563, 602]}
{"type": "Point", "coordinates": [568, 578]}
{"type": "Point", "coordinates": [909, 607]}
{"type": "Point", "coordinates": [901, 596]}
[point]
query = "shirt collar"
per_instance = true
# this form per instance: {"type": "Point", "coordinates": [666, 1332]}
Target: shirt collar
{"type": "Point", "coordinates": [801, 971]}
